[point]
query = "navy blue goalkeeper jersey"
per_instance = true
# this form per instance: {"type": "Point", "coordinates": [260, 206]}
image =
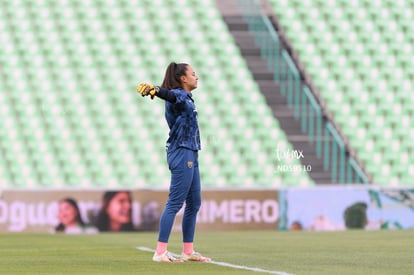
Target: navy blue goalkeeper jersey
{"type": "Point", "coordinates": [181, 117]}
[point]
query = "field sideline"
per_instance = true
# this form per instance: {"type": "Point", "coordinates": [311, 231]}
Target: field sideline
{"type": "Point", "coordinates": [350, 252]}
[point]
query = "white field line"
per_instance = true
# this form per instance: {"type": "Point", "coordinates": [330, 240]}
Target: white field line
{"type": "Point", "coordinates": [254, 269]}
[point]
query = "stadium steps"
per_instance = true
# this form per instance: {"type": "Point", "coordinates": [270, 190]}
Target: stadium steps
{"type": "Point", "coordinates": [358, 60]}
{"type": "Point", "coordinates": [277, 102]}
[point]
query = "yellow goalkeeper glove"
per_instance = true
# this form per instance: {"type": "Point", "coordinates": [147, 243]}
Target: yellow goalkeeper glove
{"type": "Point", "coordinates": [145, 89]}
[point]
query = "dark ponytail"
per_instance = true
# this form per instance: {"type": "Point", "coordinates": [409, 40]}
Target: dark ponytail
{"type": "Point", "coordinates": [172, 75]}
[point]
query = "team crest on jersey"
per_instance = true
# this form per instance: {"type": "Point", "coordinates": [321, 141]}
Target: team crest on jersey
{"type": "Point", "coordinates": [189, 164]}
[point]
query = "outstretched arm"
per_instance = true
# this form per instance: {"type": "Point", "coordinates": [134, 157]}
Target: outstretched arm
{"type": "Point", "coordinates": [166, 94]}
{"type": "Point", "coordinates": [148, 89]}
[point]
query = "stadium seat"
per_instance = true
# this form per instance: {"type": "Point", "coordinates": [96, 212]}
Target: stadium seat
{"type": "Point", "coordinates": [74, 119]}
{"type": "Point", "coordinates": [365, 49]}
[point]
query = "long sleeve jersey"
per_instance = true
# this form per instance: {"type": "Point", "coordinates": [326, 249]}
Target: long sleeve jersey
{"type": "Point", "coordinates": [181, 116]}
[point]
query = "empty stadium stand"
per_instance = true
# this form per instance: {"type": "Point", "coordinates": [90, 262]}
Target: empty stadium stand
{"type": "Point", "coordinates": [71, 117]}
{"type": "Point", "coordinates": [359, 55]}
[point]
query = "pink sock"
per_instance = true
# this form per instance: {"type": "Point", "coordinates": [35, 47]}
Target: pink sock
{"type": "Point", "coordinates": [188, 248]}
{"type": "Point", "coordinates": [161, 247]}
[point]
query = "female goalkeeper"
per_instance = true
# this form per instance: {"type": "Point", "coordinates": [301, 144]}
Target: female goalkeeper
{"type": "Point", "coordinates": [183, 145]}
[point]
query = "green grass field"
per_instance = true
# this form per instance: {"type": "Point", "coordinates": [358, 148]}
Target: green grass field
{"type": "Point", "coordinates": [350, 252]}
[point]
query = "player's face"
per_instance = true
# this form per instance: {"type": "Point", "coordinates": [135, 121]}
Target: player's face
{"type": "Point", "coordinates": [67, 213]}
{"type": "Point", "coordinates": [190, 79]}
{"type": "Point", "coordinates": [119, 209]}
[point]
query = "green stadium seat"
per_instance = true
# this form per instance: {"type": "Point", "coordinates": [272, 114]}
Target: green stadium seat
{"type": "Point", "coordinates": [365, 51]}
{"type": "Point", "coordinates": [75, 93]}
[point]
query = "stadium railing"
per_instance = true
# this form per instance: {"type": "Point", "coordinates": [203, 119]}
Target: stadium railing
{"type": "Point", "coordinates": [344, 168]}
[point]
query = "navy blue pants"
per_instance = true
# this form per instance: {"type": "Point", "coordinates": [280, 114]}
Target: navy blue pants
{"type": "Point", "coordinates": [184, 187]}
